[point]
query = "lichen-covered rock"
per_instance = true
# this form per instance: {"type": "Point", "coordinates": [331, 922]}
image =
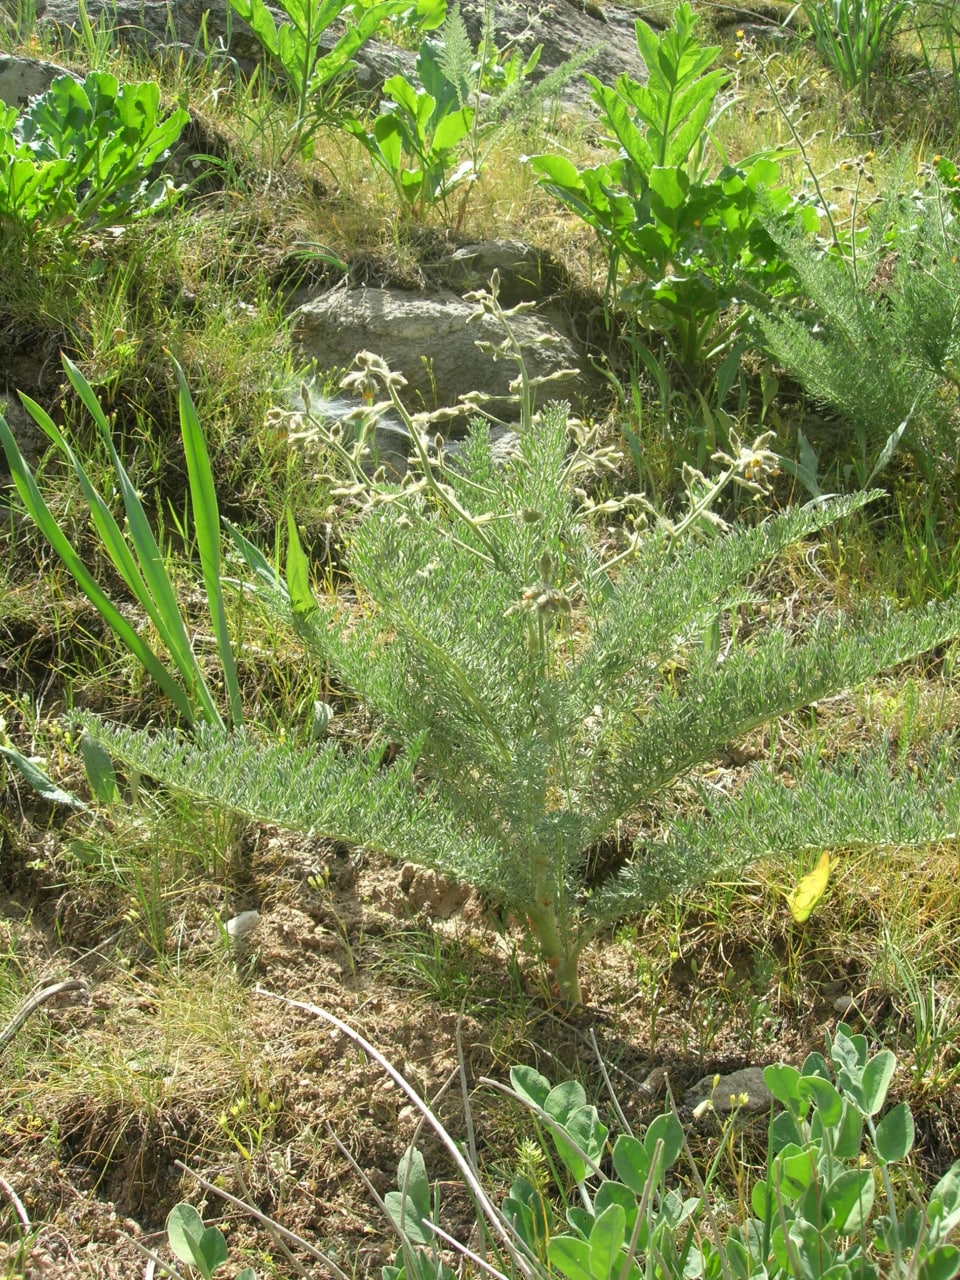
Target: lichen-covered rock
{"type": "Point", "coordinates": [426, 337]}
{"type": "Point", "coordinates": [24, 78]}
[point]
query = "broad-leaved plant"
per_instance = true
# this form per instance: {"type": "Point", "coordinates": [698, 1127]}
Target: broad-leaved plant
{"type": "Point", "coordinates": [79, 158]}
{"type": "Point", "coordinates": [676, 219]}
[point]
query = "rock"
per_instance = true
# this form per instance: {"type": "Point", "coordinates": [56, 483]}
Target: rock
{"type": "Point", "coordinates": [526, 274]}
{"type": "Point", "coordinates": [155, 25]}
{"type": "Point", "coordinates": [747, 1081]}
{"type": "Point", "coordinates": [564, 28]}
{"type": "Point", "coordinates": [426, 338]}
{"type": "Point", "coordinates": [391, 441]}
{"type": "Point", "coordinates": [240, 929]}
{"type": "Point", "coordinates": [24, 78]}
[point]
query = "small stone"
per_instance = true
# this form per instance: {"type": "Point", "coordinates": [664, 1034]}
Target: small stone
{"type": "Point", "coordinates": [747, 1083]}
{"type": "Point", "coordinates": [241, 926]}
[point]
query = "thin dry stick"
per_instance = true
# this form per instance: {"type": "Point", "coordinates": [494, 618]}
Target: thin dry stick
{"type": "Point", "coordinates": [154, 1261]}
{"type": "Point", "coordinates": [292, 1236]}
{"type": "Point", "coordinates": [17, 1203]}
{"type": "Point", "coordinates": [275, 1236]}
{"type": "Point", "coordinates": [33, 1003]}
{"type": "Point", "coordinates": [490, 1211]}
{"type": "Point", "coordinates": [438, 1230]}
{"type": "Point", "coordinates": [611, 1092]}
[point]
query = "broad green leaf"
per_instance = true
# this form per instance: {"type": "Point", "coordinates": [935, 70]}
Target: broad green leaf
{"type": "Point", "coordinates": [849, 1198]}
{"type": "Point", "coordinates": [784, 1131]}
{"type": "Point", "coordinates": [828, 1101]}
{"type": "Point", "coordinates": [530, 1084]}
{"type": "Point", "coordinates": [260, 19]}
{"type": "Point", "coordinates": [620, 118]}
{"type": "Point", "coordinates": [298, 573]}
{"type": "Point", "coordinates": [40, 781]}
{"type": "Point", "coordinates": [611, 1192]}
{"type": "Point", "coordinates": [940, 1263]}
{"type": "Point", "coordinates": [586, 1132]}
{"type": "Point", "coordinates": [738, 1259]}
{"type": "Point", "coordinates": [565, 1100]}
{"type": "Point", "coordinates": [202, 1247]}
{"type": "Point", "coordinates": [407, 1218]}
{"type": "Point", "coordinates": [849, 1138]}
{"type": "Point", "coordinates": [669, 186]}
{"type": "Point", "coordinates": [99, 770]}
{"type": "Point", "coordinates": [794, 1171]}
{"type": "Point", "coordinates": [557, 169]}
{"type": "Point", "coordinates": [412, 1179]}
{"type": "Point", "coordinates": [389, 136]}
{"type": "Point", "coordinates": [452, 129]}
{"type": "Point", "coordinates": [783, 1082]}
{"type": "Point", "coordinates": [571, 1257]}
{"type": "Point", "coordinates": [811, 1248]}
{"type": "Point", "coordinates": [895, 1132]}
{"type": "Point", "coordinates": [877, 1075]}
{"type": "Point", "coordinates": [946, 1194]}
{"type": "Point", "coordinates": [763, 1201]}
{"type": "Point", "coordinates": [631, 1161]}
{"type": "Point", "coordinates": [667, 1130]}
{"type": "Point", "coordinates": [606, 1241]}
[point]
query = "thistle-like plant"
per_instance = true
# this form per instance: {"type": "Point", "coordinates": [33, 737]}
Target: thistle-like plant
{"type": "Point", "coordinates": [877, 337]}
{"type": "Point", "coordinates": [434, 133]}
{"type": "Point", "coordinates": [543, 685]}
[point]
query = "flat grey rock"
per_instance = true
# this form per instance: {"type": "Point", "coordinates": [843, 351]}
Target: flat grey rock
{"type": "Point", "coordinates": [426, 338]}
{"type": "Point", "coordinates": [24, 78]}
{"type": "Point", "coordinates": [747, 1081]}
{"type": "Point", "coordinates": [564, 28]}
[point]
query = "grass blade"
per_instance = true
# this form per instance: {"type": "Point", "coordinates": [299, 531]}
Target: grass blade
{"type": "Point", "coordinates": [206, 520]}
{"type": "Point", "coordinates": [147, 576]}
{"type": "Point", "coordinates": [41, 515]}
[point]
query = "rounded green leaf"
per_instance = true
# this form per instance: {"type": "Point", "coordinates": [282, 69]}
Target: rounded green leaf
{"type": "Point", "coordinates": [895, 1134]}
{"type": "Point", "coordinates": [849, 1135]}
{"type": "Point", "coordinates": [202, 1247]}
{"type": "Point", "coordinates": [184, 1229]}
{"type": "Point", "coordinates": [530, 1084]}
{"type": "Point", "coordinates": [667, 1129]}
{"type": "Point", "coordinates": [606, 1241]}
{"type": "Point", "coordinates": [783, 1082]}
{"type": "Point", "coordinates": [849, 1199]}
{"type": "Point", "coordinates": [877, 1075]}
{"type": "Point", "coordinates": [412, 1179]}
{"type": "Point", "coordinates": [571, 1257]}
{"type": "Point", "coordinates": [564, 1100]}
{"type": "Point", "coordinates": [828, 1102]}
{"type": "Point", "coordinates": [941, 1263]}
{"type": "Point", "coordinates": [795, 1169]}
{"type": "Point", "coordinates": [632, 1163]}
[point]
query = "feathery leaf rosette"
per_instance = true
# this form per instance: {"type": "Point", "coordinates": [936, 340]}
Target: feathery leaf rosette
{"type": "Point", "coordinates": [542, 692]}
